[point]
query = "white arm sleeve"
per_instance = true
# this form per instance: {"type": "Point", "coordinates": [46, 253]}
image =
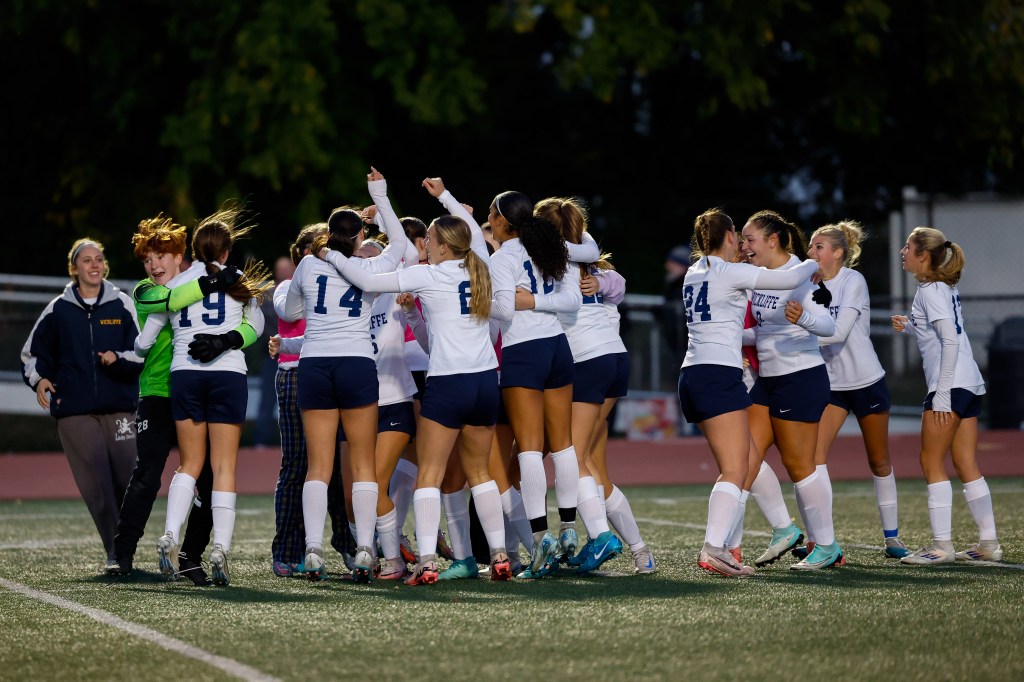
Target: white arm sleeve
{"type": "Point", "coordinates": [819, 325]}
{"type": "Point", "coordinates": [394, 252]}
{"type": "Point", "coordinates": [352, 270]}
{"type": "Point", "coordinates": [566, 298]}
{"type": "Point", "coordinates": [585, 252]}
{"type": "Point", "coordinates": [145, 340]}
{"type": "Point", "coordinates": [478, 244]}
{"type": "Point", "coordinates": [785, 279]}
{"type": "Point", "coordinates": [281, 296]}
{"type": "Point", "coordinates": [503, 285]}
{"type": "Point", "coordinates": [292, 345]}
{"type": "Point", "coordinates": [950, 341]}
{"type": "Point", "coordinates": [845, 320]}
{"type": "Point", "coordinates": [294, 306]}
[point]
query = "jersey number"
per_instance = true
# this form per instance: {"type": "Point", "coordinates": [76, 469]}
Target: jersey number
{"type": "Point", "coordinates": [217, 306]}
{"type": "Point", "coordinates": [698, 305]}
{"type": "Point", "coordinates": [596, 298]}
{"type": "Point", "coordinates": [464, 294]}
{"type": "Point", "coordinates": [548, 288]}
{"type": "Point", "coordinates": [956, 318]}
{"type": "Point", "coordinates": [351, 299]}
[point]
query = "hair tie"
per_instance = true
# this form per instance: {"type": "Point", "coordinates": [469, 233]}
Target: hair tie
{"type": "Point", "coordinates": [948, 245]}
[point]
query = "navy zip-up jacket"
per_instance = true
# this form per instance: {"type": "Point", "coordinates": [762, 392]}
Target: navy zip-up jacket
{"type": "Point", "coordinates": [64, 347]}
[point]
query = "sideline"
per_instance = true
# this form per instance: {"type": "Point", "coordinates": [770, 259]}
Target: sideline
{"type": "Point", "coordinates": [228, 665]}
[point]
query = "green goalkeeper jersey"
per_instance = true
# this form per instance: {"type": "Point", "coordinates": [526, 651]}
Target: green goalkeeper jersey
{"type": "Point", "coordinates": [151, 298]}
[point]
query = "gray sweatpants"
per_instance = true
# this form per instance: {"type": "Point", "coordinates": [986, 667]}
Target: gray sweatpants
{"type": "Point", "coordinates": [101, 452]}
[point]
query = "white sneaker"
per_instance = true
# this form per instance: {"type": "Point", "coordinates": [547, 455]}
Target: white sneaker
{"type": "Point", "coordinates": [393, 569]}
{"type": "Point", "coordinates": [219, 566]}
{"type": "Point", "coordinates": [718, 560]}
{"type": "Point", "coordinates": [986, 550]}
{"type": "Point", "coordinates": [362, 566]}
{"type": "Point", "coordinates": [643, 561]}
{"type": "Point", "coordinates": [167, 551]}
{"type": "Point", "coordinates": [939, 552]}
{"type": "Point", "coordinates": [314, 565]}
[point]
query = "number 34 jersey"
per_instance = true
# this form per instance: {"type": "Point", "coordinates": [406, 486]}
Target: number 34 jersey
{"type": "Point", "coordinates": [715, 296]}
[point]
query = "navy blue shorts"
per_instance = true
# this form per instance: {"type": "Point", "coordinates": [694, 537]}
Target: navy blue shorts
{"type": "Point", "coordinates": [213, 397]}
{"type": "Point", "coordinates": [706, 391]}
{"type": "Point", "coordinates": [538, 364]}
{"type": "Point", "coordinates": [873, 399]}
{"type": "Point", "coordinates": [337, 383]}
{"type": "Point", "coordinates": [797, 397]}
{"type": "Point", "coordinates": [457, 400]}
{"type": "Point", "coordinates": [606, 376]}
{"type": "Point", "coordinates": [396, 417]}
{"type": "Point", "coordinates": [963, 402]}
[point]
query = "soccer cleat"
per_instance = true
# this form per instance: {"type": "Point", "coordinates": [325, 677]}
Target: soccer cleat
{"type": "Point", "coordinates": [737, 554]}
{"type": "Point", "coordinates": [577, 559]}
{"type": "Point", "coordinates": [543, 552]}
{"type": "Point", "coordinates": [406, 548]}
{"type": "Point", "coordinates": [643, 561]}
{"type": "Point", "coordinates": [605, 546]}
{"type": "Point", "coordinates": [460, 569]}
{"type": "Point", "coordinates": [986, 550]}
{"type": "Point", "coordinates": [425, 574]}
{"type": "Point", "coordinates": [569, 542]}
{"type": "Point", "coordinates": [393, 569]}
{"type": "Point", "coordinates": [363, 565]}
{"type": "Point", "coordinates": [822, 556]}
{"type": "Point", "coordinates": [167, 550]}
{"type": "Point", "coordinates": [501, 570]}
{"type": "Point", "coordinates": [895, 549]}
{"type": "Point", "coordinates": [219, 566]}
{"type": "Point", "coordinates": [117, 568]}
{"type": "Point", "coordinates": [783, 540]}
{"type": "Point", "coordinates": [939, 552]}
{"type": "Point", "coordinates": [722, 562]}
{"type": "Point", "coordinates": [349, 559]}
{"type": "Point", "coordinates": [515, 564]}
{"type": "Point", "coordinates": [283, 569]}
{"type": "Point", "coordinates": [443, 548]}
{"type": "Point", "coordinates": [314, 565]}
{"type": "Point", "coordinates": [801, 552]}
{"type": "Point", "coordinates": [193, 570]}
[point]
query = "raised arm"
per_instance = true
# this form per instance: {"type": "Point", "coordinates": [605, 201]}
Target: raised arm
{"type": "Point", "coordinates": [395, 251]}
{"type": "Point", "coordinates": [477, 242]}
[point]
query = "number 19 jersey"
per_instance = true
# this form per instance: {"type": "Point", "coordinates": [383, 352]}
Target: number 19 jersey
{"type": "Point", "coordinates": [715, 297]}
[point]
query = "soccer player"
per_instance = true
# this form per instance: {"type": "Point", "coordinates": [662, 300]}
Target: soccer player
{"type": "Point", "coordinates": [949, 422]}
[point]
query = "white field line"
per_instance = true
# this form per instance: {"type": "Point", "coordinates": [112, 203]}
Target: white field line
{"type": "Point", "coordinates": [79, 515]}
{"type": "Point", "coordinates": [761, 533]}
{"type": "Point", "coordinates": [228, 665]}
{"type": "Point", "coordinates": [84, 542]}
{"type": "Point", "coordinates": [1008, 490]}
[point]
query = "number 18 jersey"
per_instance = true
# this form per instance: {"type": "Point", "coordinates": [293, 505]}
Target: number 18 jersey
{"type": "Point", "coordinates": [715, 297]}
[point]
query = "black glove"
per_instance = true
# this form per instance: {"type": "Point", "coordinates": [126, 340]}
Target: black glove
{"type": "Point", "coordinates": [222, 281]}
{"type": "Point", "coordinates": [206, 347]}
{"type": "Point", "coordinates": [822, 295]}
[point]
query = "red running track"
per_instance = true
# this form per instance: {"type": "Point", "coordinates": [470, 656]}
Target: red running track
{"type": "Point", "coordinates": [671, 462]}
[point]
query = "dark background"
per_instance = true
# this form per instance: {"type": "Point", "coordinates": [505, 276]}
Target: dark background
{"type": "Point", "coordinates": [651, 111]}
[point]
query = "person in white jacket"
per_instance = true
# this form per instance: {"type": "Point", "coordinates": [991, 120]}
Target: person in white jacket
{"type": "Point", "coordinates": [949, 422]}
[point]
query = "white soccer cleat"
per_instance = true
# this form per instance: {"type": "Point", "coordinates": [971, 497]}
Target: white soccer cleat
{"type": "Point", "coordinates": [718, 560]}
{"type": "Point", "coordinates": [986, 550]}
{"type": "Point", "coordinates": [643, 561]}
{"type": "Point", "coordinates": [939, 552]}
{"type": "Point", "coordinates": [167, 551]}
{"type": "Point", "coordinates": [219, 566]}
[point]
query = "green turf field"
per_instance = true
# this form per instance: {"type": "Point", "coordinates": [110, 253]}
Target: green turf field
{"type": "Point", "coordinates": [872, 619]}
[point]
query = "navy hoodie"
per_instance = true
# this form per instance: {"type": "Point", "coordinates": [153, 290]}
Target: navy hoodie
{"type": "Point", "coordinates": [64, 347]}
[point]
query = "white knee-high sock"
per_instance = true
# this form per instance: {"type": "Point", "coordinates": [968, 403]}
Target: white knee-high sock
{"type": "Point", "coordinates": [179, 499]}
{"type": "Point", "coordinates": [222, 506]}
{"type": "Point", "coordinates": [979, 500]}
{"type": "Point", "coordinates": [487, 501]}
{"type": "Point", "coordinates": [456, 510]}
{"type": "Point", "coordinates": [620, 516]}
{"type": "Point", "coordinates": [722, 507]}
{"type": "Point", "coordinates": [885, 495]}
{"type": "Point", "coordinates": [767, 493]}
{"type": "Point", "coordinates": [364, 508]}
{"type": "Point", "coordinates": [567, 480]}
{"type": "Point", "coordinates": [815, 499]}
{"type": "Point", "coordinates": [940, 510]}
{"type": "Point", "coordinates": [314, 512]}
{"type": "Point", "coordinates": [387, 532]}
{"type": "Point", "coordinates": [426, 504]}
{"type": "Point", "coordinates": [534, 486]}
{"type": "Point", "coordinates": [736, 535]}
{"type": "Point", "coordinates": [590, 507]}
{"type": "Point", "coordinates": [512, 505]}
{"type": "Point", "coordinates": [403, 481]}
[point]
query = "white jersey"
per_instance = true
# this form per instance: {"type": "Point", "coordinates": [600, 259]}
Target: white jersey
{"type": "Point", "coordinates": [590, 331]}
{"type": "Point", "coordinates": [512, 268]}
{"type": "Point", "coordinates": [849, 356]}
{"type": "Point", "coordinates": [215, 313]}
{"type": "Point", "coordinates": [387, 335]}
{"type": "Point", "coordinates": [715, 299]}
{"type": "Point", "coordinates": [936, 301]}
{"type": "Point", "coordinates": [784, 347]}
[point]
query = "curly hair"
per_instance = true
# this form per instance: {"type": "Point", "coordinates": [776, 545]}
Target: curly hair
{"type": "Point", "coordinates": [541, 239]}
{"type": "Point", "coordinates": [159, 235]}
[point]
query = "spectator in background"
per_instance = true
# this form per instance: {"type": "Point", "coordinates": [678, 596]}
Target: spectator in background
{"type": "Point", "coordinates": [263, 430]}
{"type": "Point", "coordinates": [79, 361]}
{"type": "Point", "coordinates": [677, 262]}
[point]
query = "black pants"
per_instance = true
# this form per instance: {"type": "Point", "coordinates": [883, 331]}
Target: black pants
{"type": "Point", "coordinates": [156, 436]}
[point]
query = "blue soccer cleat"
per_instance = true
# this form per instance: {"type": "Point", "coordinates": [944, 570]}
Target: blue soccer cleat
{"type": "Point", "coordinates": [604, 547]}
{"type": "Point", "coordinates": [460, 569]}
{"type": "Point", "coordinates": [822, 556]}
{"type": "Point", "coordinates": [783, 540]}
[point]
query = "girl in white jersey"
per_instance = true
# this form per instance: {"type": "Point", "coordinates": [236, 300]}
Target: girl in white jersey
{"type": "Point", "coordinates": [208, 385]}
{"type": "Point", "coordinates": [461, 397]}
{"type": "Point", "coordinates": [711, 390]}
{"type": "Point", "coordinates": [855, 375]}
{"type": "Point", "coordinates": [600, 377]}
{"type": "Point", "coordinates": [338, 377]}
{"type": "Point", "coordinates": [791, 390]}
{"type": "Point", "coordinates": [955, 386]}
{"type": "Point", "coordinates": [537, 366]}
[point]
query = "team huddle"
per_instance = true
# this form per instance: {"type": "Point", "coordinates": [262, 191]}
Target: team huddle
{"type": "Point", "coordinates": [429, 358]}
